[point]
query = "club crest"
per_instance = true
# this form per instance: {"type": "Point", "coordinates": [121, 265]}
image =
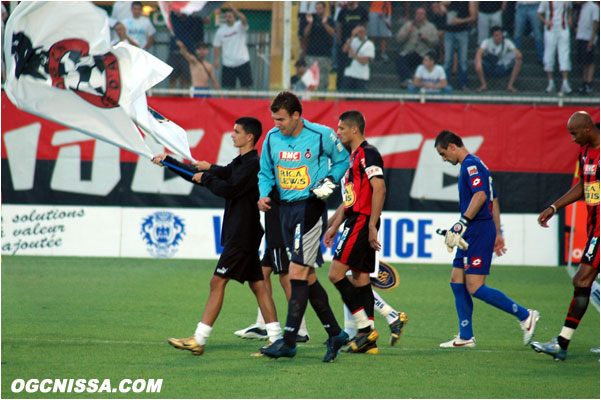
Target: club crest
{"type": "Point", "coordinates": [162, 232]}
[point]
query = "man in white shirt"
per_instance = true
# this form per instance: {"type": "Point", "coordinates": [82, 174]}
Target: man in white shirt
{"type": "Point", "coordinates": [430, 77]}
{"type": "Point", "coordinates": [557, 19]}
{"type": "Point", "coordinates": [236, 59]}
{"type": "Point", "coordinates": [496, 57]}
{"type": "Point", "coordinates": [586, 36]}
{"type": "Point", "coordinates": [361, 50]}
{"type": "Point", "coordinates": [139, 27]}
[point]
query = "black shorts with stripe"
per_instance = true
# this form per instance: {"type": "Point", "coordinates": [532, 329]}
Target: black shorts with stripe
{"type": "Point", "coordinates": [353, 248]}
{"type": "Point", "coordinates": [277, 259]}
{"type": "Point", "coordinates": [239, 264]}
{"type": "Point", "coordinates": [303, 226]}
{"type": "Point", "coordinates": [590, 256]}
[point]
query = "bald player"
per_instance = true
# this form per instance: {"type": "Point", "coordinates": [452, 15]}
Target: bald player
{"type": "Point", "coordinates": [586, 134]}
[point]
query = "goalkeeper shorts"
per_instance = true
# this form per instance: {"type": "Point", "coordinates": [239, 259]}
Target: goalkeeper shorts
{"type": "Point", "coordinates": [480, 236]}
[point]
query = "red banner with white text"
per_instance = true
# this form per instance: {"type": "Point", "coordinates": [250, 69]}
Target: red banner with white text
{"type": "Point", "coordinates": [527, 147]}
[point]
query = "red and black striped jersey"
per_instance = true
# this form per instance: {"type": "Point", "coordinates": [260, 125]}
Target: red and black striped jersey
{"type": "Point", "coordinates": [365, 163]}
{"type": "Point", "coordinates": [589, 175]}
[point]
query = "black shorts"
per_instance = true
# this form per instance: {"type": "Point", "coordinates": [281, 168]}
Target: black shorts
{"type": "Point", "coordinates": [181, 67]}
{"type": "Point", "coordinates": [229, 75]}
{"type": "Point", "coordinates": [303, 226]}
{"type": "Point", "coordinates": [590, 256]}
{"type": "Point", "coordinates": [353, 248]}
{"type": "Point", "coordinates": [277, 259]}
{"type": "Point", "coordinates": [584, 57]}
{"type": "Point", "coordinates": [238, 264]}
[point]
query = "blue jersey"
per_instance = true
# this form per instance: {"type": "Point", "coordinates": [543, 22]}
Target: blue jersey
{"type": "Point", "coordinates": [475, 177]}
{"type": "Point", "coordinates": [296, 164]}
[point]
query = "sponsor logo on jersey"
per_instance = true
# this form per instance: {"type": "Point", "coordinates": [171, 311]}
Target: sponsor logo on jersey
{"type": "Point", "coordinates": [294, 178]}
{"type": "Point", "coordinates": [373, 170]}
{"type": "Point", "coordinates": [362, 161]}
{"type": "Point", "coordinates": [290, 155]}
{"type": "Point", "coordinates": [472, 170]}
{"type": "Point", "coordinates": [308, 154]}
{"type": "Point", "coordinates": [591, 193]}
{"type": "Point", "coordinates": [476, 182]}
{"type": "Point", "coordinates": [590, 169]}
{"type": "Point", "coordinates": [476, 262]}
{"type": "Point", "coordinates": [349, 195]}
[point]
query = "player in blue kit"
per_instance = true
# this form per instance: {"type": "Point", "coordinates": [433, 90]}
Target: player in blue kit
{"type": "Point", "coordinates": [296, 159]}
{"type": "Point", "coordinates": [477, 235]}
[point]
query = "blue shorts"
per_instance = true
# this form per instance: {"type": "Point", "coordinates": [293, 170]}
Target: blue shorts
{"type": "Point", "coordinates": [480, 236]}
{"type": "Point", "coordinates": [303, 225]}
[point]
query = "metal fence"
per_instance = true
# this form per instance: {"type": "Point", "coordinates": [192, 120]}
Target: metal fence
{"type": "Point", "coordinates": [290, 43]}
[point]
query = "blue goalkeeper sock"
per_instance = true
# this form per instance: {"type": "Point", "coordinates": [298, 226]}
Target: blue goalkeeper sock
{"type": "Point", "coordinates": [464, 306]}
{"type": "Point", "coordinates": [498, 299]}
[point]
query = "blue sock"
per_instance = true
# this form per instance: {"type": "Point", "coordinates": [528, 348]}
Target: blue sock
{"type": "Point", "coordinates": [464, 306]}
{"type": "Point", "coordinates": [498, 299]}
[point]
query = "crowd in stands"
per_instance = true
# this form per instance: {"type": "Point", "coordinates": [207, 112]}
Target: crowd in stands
{"type": "Point", "coordinates": [428, 43]}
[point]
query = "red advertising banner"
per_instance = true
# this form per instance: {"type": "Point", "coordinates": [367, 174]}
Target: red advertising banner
{"type": "Point", "coordinates": [516, 138]}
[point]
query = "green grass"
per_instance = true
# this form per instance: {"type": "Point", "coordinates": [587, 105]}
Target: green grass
{"type": "Point", "coordinates": [109, 318]}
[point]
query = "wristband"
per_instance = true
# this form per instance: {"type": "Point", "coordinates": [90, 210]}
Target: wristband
{"type": "Point", "coordinates": [553, 208]}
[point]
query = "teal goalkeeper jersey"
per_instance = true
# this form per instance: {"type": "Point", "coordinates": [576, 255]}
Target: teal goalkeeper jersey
{"type": "Point", "coordinates": [296, 164]}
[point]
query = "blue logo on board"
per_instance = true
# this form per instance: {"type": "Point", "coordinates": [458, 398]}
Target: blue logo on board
{"type": "Point", "coordinates": [162, 232]}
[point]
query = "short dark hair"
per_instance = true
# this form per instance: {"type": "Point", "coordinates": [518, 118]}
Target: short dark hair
{"type": "Point", "coordinates": [323, 3]}
{"type": "Point", "coordinates": [137, 3]}
{"type": "Point", "coordinates": [287, 101]}
{"type": "Point", "coordinates": [251, 125]}
{"type": "Point", "coordinates": [201, 45]}
{"type": "Point", "coordinates": [494, 29]}
{"type": "Point", "coordinates": [446, 137]}
{"type": "Point", "coordinates": [354, 118]}
{"type": "Point", "coordinates": [431, 54]}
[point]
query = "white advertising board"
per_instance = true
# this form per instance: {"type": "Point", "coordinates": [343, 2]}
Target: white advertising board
{"type": "Point", "coordinates": [194, 234]}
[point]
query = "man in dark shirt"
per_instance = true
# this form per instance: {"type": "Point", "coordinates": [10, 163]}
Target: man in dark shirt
{"type": "Point", "coordinates": [319, 36]}
{"type": "Point", "coordinates": [347, 20]}
{"type": "Point", "coordinates": [241, 232]}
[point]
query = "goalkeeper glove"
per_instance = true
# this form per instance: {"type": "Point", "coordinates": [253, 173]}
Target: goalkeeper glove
{"type": "Point", "coordinates": [454, 236]}
{"type": "Point", "coordinates": [324, 188]}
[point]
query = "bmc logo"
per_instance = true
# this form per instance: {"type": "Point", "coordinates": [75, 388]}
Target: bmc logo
{"type": "Point", "coordinates": [476, 182]}
{"type": "Point", "coordinates": [590, 169]}
{"type": "Point", "coordinates": [476, 262]}
{"type": "Point", "coordinates": [290, 155]}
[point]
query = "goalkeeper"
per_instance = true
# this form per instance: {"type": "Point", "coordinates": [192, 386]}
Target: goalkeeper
{"type": "Point", "coordinates": [477, 234]}
{"type": "Point", "coordinates": [296, 159]}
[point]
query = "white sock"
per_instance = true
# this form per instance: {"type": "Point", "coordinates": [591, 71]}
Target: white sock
{"type": "Point", "coordinates": [566, 333]}
{"type": "Point", "coordinates": [260, 320]}
{"type": "Point", "coordinates": [384, 308]}
{"type": "Point", "coordinates": [274, 331]}
{"type": "Point", "coordinates": [202, 333]}
{"type": "Point", "coordinates": [350, 327]}
{"type": "Point", "coordinates": [302, 330]}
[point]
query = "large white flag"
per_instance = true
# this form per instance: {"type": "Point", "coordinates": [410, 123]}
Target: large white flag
{"type": "Point", "coordinates": [60, 66]}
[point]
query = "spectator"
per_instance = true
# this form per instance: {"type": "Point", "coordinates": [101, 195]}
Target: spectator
{"type": "Point", "coordinates": [236, 59]}
{"type": "Point", "coordinates": [496, 57]}
{"type": "Point", "coordinates": [296, 82]}
{"type": "Point", "coordinates": [304, 8]}
{"type": "Point", "coordinates": [430, 77]}
{"type": "Point", "coordinates": [201, 71]}
{"type": "Point", "coordinates": [121, 33]}
{"type": "Point", "coordinates": [319, 37]}
{"type": "Point", "coordinates": [348, 18]}
{"type": "Point", "coordinates": [490, 13]}
{"type": "Point", "coordinates": [526, 12]}
{"type": "Point", "coordinates": [460, 15]}
{"type": "Point", "coordinates": [439, 19]}
{"type": "Point", "coordinates": [361, 50]}
{"type": "Point", "coordinates": [417, 37]}
{"type": "Point", "coordinates": [139, 27]}
{"type": "Point", "coordinates": [557, 19]}
{"type": "Point", "coordinates": [379, 25]}
{"type": "Point", "coordinates": [586, 36]}
{"type": "Point", "coordinates": [190, 30]}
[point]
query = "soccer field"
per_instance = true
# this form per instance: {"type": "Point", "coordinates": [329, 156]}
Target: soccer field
{"type": "Point", "coordinates": [109, 318]}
